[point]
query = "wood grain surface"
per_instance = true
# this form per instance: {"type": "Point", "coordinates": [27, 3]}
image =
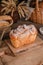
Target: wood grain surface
{"type": "Point", "coordinates": [34, 56]}
{"type": "Point", "coordinates": [37, 42]}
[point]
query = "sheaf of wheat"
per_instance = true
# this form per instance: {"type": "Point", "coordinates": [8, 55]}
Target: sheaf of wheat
{"type": "Point", "coordinates": [23, 10]}
{"type": "Point", "coordinates": [9, 6]}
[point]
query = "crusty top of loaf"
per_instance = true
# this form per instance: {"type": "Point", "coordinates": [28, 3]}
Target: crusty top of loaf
{"type": "Point", "coordinates": [23, 30]}
{"type": "Point", "coordinates": [3, 23]}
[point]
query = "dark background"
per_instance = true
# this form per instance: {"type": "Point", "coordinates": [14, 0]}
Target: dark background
{"type": "Point", "coordinates": [18, 0]}
{"type": "Point", "coordinates": [23, 0]}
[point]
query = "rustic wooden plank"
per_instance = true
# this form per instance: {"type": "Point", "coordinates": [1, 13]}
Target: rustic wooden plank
{"type": "Point", "coordinates": [33, 57]}
{"type": "Point", "coordinates": [15, 51]}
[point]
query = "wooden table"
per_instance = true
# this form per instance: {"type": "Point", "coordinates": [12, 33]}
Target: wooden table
{"type": "Point", "coordinates": [30, 57]}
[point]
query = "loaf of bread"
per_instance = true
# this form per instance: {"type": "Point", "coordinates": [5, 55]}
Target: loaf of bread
{"type": "Point", "coordinates": [23, 35]}
{"type": "Point", "coordinates": [4, 20]}
{"type": "Point", "coordinates": [3, 23]}
{"type": "Point", "coordinates": [5, 17]}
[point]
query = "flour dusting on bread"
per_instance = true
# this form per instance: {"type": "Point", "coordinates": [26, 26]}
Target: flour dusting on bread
{"type": "Point", "coordinates": [23, 34]}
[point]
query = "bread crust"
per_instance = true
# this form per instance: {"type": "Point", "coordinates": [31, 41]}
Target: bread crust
{"type": "Point", "coordinates": [5, 17]}
{"type": "Point", "coordinates": [24, 37]}
{"type": "Point", "coordinates": [4, 23]}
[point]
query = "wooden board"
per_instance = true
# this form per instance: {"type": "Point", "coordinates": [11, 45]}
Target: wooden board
{"type": "Point", "coordinates": [32, 56]}
{"type": "Point", "coordinates": [15, 51]}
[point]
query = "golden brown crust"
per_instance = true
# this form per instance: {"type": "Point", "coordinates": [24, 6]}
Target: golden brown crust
{"type": "Point", "coordinates": [26, 36]}
{"type": "Point", "coordinates": [4, 23]}
{"type": "Point", "coordinates": [5, 17]}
